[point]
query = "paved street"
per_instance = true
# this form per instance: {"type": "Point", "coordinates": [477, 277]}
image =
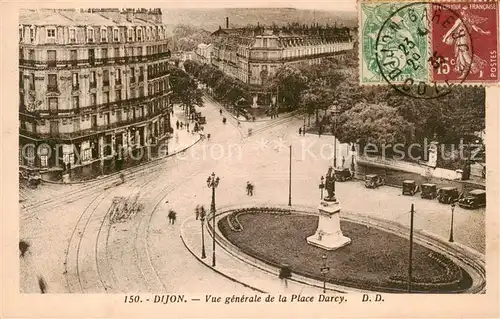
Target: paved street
{"type": "Point", "coordinates": [76, 249]}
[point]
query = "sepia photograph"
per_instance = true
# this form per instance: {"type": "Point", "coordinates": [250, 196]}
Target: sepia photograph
{"type": "Point", "coordinates": [308, 153]}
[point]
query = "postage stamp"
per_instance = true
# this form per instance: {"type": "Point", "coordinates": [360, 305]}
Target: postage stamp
{"type": "Point", "coordinates": [423, 49]}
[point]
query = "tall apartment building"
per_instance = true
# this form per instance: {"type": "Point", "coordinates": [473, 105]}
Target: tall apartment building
{"type": "Point", "coordinates": [92, 84]}
{"type": "Point", "coordinates": [254, 54]}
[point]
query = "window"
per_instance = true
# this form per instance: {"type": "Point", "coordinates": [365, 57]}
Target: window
{"type": "Point", "coordinates": [75, 101]}
{"type": "Point", "coordinates": [73, 56]}
{"type": "Point", "coordinates": [72, 35]}
{"type": "Point", "coordinates": [52, 87]}
{"type": "Point", "coordinates": [21, 53]}
{"type": "Point", "coordinates": [104, 53]}
{"type": "Point", "coordinates": [87, 154]}
{"type": "Point", "coordinates": [118, 76]}
{"type": "Point", "coordinates": [90, 35]}
{"type": "Point", "coordinates": [117, 52]}
{"type": "Point", "coordinates": [91, 56]}
{"type": "Point", "coordinates": [32, 35]}
{"type": "Point", "coordinates": [104, 35]}
{"type": "Point", "coordinates": [118, 95]}
{"type": "Point", "coordinates": [132, 75]}
{"type": "Point", "coordinates": [32, 81]}
{"type": "Point", "coordinates": [130, 35]}
{"type": "Point", "coordinates": [139, 51]}
{"type": "Point", "coordinates": [264, 42]}
{"type": "Point", "coordinates": [141, 91]}
{"type": "Point", "coordinates": [105, 78]}
{"type": "Point", "coordinates": [44, 156]}
{"type": "Point", "coordinates": [141, 74]}
{"type": "Point", "coordinates": [139, 34]}
{"type": "Point", "coordinates": [106, 97]}
{"type": "Point", "coordinates": [115, 35]}
{"type": "Point", "coordinates": [53, 104]}
{"type": "Point", "coordinates": [21, 81]}
{"type": "Point", "coordinates": [74, 81]}
{"type": "Point", "coordinates": [21, 36]}
{"type": "Point", "coordinates": [51, 33]}
{"type": "Point", "coordinates": [51, 57]}
{"type": "Point", "coordinates": [93, 99]}
{"type": "Point", "coordinates": [92, 79]}
{"type": "Point", "coordinates": [31, 55]}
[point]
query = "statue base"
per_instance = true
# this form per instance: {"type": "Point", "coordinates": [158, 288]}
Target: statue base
{"type": "Point", "coordinates": [329, 236]}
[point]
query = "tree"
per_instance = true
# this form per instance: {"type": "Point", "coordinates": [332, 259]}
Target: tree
{"type": "Point", "coordinates": [378, 124]}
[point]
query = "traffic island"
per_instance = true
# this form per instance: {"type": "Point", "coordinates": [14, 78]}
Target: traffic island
{"type": "Point", "coordinates": [375, 260]}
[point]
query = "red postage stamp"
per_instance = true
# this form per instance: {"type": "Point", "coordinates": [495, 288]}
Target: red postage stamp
{"type": "Point", "coordinates": [467, 47]}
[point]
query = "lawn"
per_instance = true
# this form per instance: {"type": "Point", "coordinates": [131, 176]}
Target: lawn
{"type": "Point", "coordinates": [369, 262]}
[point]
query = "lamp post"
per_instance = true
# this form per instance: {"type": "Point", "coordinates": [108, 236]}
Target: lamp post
{"type": "Point", "coordinates": [202, 219]}
{"type": "Point", "coordinates": [353, 150]}
{"type": "Point", "coordinates": [335, 112]}
{"type": "Point", "coordinates": [322, 186]}
{"type": "Point", "coordinates": [213, 182]}
{"type": "Point", "coordinates": [324, 271]}
{"type": "Point", "coordinates": [451, 226]}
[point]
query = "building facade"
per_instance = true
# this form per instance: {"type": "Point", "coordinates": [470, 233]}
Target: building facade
{"type": "Point", "coordinates": [93, 86]}
{"type": "Point", "coordinates": [203, 53]}
{"type": "Point", "coordinates": [254, 54]}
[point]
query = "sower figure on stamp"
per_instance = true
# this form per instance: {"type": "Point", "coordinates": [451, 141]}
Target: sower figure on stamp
{"type": "Point", "coordinates": [330, 185]}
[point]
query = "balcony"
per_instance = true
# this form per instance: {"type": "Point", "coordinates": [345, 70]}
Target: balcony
{"type": "Point", "coordinates": [124, 123]}
{"type": "Point", "coordinates": [39, 64]}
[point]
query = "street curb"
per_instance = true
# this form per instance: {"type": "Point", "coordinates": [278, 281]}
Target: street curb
{"type": "Point", "coordinates": [212, 268]}
{"type": "Point", "coordinates": [105, 177]}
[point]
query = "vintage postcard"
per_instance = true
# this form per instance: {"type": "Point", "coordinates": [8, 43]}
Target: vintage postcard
{"type": "Point", "coordinates": [282, 159]}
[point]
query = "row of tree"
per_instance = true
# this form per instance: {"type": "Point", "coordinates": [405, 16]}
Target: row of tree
{"type": "Point", "coordinates": [185, 90]}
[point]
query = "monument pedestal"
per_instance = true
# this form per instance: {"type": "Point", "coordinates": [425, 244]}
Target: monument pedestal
{"type": "Point", "coordinates": [329, 235]}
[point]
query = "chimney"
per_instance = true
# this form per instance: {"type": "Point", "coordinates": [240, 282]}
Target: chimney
{"type": "Point", "coordinates": [227, 22]}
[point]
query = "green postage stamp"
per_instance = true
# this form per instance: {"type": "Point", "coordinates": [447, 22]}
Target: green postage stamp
{"type": "Point", "coordinates": [392, 40]}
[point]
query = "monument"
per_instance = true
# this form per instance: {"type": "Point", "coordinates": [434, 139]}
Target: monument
{"type": "Point", "coordinates": [329, 236]}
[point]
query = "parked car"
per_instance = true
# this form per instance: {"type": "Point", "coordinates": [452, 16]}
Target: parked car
{"type": "Point", "coordinates": [429, 191]}
{"type": "Point", "coordinates": [410, 187]}
{"type": "Point", "coordinates": [373, 181]}
{"type": "Point", "coordinates": [448, 195]}
{"type": "Point", "coordinates": [474, 199]}
{"type": "Point", "coordinates": [343, 174]}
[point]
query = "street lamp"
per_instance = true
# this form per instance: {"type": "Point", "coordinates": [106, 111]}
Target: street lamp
{"type": "Point", "coordinates": [451, 227]}
{"type": "Point", "coordinates": [353, 150]}
{"type": "Point", "coordinates": [202, 219]}
{"type": "Point", "coordinates": [324, 271]}
{"type": "Point", "coordinates": [335, 112]}
{"type": "Point", "coordinates": [213, 182]}
{"type": "Point", "coordinates": [322, 186]}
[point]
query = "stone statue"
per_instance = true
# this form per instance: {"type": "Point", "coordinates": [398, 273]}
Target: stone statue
{"type": "Point", "coordinates": [330, 185]}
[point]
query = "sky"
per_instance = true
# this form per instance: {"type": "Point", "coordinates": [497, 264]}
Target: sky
{"type": "Point", "coordinates": [335, 5]}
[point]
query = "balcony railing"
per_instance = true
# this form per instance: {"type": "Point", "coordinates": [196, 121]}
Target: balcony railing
{"type": "Point", "coordinates": [126, 122]}
{"type": "Point", "coordinates": [93, 61]}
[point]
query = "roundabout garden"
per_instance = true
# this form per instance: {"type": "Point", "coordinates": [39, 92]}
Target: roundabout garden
{"type": "Point", "coordinates": [376, 260]}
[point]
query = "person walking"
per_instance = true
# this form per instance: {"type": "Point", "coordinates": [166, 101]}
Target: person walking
{"type": "Point", "coordinates": [170, 214]}
{"type": "Point", "coordinates": [174, 217]}
{"type": "Point", "coordinates": [251, 189]}
{"type": "Point", "coordinates": [248, 188]}
{"type": "Point", "coordinates": [187, 125]}
{"type": "Point", "coordinates": [220, 111]}
{"type": "Point", "coordinates": [300, 131]}
{"type": "Point", "coordinates": [177, 124]}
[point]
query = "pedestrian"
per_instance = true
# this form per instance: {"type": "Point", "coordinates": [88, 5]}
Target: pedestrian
{"type": "Point", "coordinates": [220, 111]}
{"type": "Point", "coordinates": [300, 131]}
{"type": "Point", "coordinates": [343, 161]}
{"type": "Point", "coordinates": [251, 189]}
{"type": "Point", "coordinates": [208, 136]}
{"type": "Point", "coordinates": [170, 216]}
{"type": "Point", "coordinates": [197, 211]}
{"type": "Point", "coordinates": [177, 124]}
{"type": "Point", "coordinates": [253, 118]}
{"type": "Point", "coordinates": [248, 188]}
{"type": "Point", "coordinates": [187, 125]}
{"type": "Point", "coordinates": [174, 217]}
{"type": "Point", "coordinates": [239, 123]}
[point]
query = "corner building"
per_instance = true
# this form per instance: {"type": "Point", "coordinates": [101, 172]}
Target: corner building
{"type": "Point", "coordinates": [93, 87]}
{"type": "Point", "coordinates": [253, 55]}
